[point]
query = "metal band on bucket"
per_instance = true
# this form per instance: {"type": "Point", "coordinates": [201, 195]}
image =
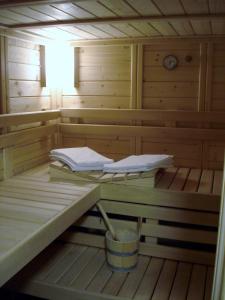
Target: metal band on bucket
{"type": "Point", "coordinates": [123, 254]}
{"type": "Point", "coordinates": [118, 269]}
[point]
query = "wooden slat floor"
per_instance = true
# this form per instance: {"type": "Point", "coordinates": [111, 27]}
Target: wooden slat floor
{"type": "Point", "coordinates": [190, 180]}
{"type": "Point", "coordinates": [77, 270]}
{"type": "Point", "coordinates": [33, 212]}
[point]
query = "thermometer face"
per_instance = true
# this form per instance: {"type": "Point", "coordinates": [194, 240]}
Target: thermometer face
{"type": "Point", "coordinates": [170, 62]}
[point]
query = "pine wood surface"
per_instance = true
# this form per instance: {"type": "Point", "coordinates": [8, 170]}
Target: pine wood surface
{"type": "Point", "coordinates": [22, 205]}
{"type": "Point", "coordinates": [60, 170]}
{"type": "Point", "coordinates": [174, 179]}
{"type": "Point", "coordinates": [69, 270]}
{"type": "Point", "coordinates": [180, 196]}
{"type": "Point", "coordinates": [33, 213]}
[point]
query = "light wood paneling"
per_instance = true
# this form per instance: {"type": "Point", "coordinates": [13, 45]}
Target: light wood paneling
{"type": "Point", "coordinates": [24, 75]}
{"type": "Point", "coordinates": [25, 94]}
{"type": "Point", "coordinates": [218, 65]}
{"type": "Point", "coordinates": [42, 221]}
{"type": "Point", "coordinates": [177, 89]}
{"type": "Point", "coordinates": [214, 154]}
{"type": "Point", "coordinates": [30, 154]}
{"type": "Point", "coordinates": [96, 101]}
{"type": "Point", "coordinates": [105, 81]}
{"type": "Point", "coordinates": [162, 139]}
{"type": "Point", "coordinates": [195, 85]}
{"type": "Point", "coordinates": [185, 153]}
{"type": "Point", "coordinates": [181, 83]}
{"type": "Point", "coordinates": [104, 74]}
{"type": "Point", "coordinates": [28, 104]}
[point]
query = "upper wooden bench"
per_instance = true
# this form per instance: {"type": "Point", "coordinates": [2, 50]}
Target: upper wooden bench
{"type": "Point", "coordinates": [33, 212]}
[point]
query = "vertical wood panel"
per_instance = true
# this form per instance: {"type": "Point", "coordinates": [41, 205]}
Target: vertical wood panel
{"type": "Point", "coordinates": [139, 75]}
{"type": "Point", "coordinates": [26, 79]}
{"type": "Point", "coordinates": [133, 91]}
{"type": "Point", "coordinates": [139, 91]}
{"type": "Point", "coordinates": [76, 67]}
{"type": "Point", "coordinates": [4, 75]}
{"type": "Point", "coordinates": [209, 77]}
{"type": "Point", "coordinates": [202, 77]}
{"type": "Point", "coordinates": [42, 66]}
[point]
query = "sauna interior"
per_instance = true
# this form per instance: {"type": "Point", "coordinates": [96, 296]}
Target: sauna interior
{"type": "Point", "coordinates": [122, 77]}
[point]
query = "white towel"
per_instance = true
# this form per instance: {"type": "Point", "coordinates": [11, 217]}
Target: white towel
{"type": "Point", "coordinates": [138, 163]}
{"type": "Point", "coordinates": [75, 167]}
{"type": "Point", "coordinates": [80, 159]}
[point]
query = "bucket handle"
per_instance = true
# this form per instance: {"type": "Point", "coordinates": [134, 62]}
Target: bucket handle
{"type": "Point", "coordinates": [107, 221]}
{"type": "Point", "coordinates": [139, 225]}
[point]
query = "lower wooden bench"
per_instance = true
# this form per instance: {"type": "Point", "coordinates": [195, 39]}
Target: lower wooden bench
{"type": "Point", "coordinates": [181, 260]}
{"type": "Point", "coordinates": [33, 212]}
{"type": "Point", "coordinates": [74, 271]}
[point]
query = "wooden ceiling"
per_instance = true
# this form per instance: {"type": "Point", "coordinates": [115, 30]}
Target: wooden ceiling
{"type": "Point", "coordinates": [113, 19]}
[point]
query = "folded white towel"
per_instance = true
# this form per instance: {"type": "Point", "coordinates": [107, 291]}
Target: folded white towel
{"type": "Point", "coordinates": [80, 159]}
{"type": "Point", "coordinates": [75, 167]}
{"type": "Point", "coordinates": [137, 163]}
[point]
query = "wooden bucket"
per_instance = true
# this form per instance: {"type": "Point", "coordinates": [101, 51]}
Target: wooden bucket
{"type": "Point", "coordinates": [122, 255]}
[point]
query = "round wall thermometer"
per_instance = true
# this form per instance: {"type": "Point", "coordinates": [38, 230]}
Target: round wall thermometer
{"type": "Point", "coordinates": [170, 62]}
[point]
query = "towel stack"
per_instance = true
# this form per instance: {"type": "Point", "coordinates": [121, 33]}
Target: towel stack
{"type": "Point", "coordinates": [80, 159]}
{"type": "Point", "coordinates": [139, 163]}
{"type": "Point", "coordinates": [86, 159]}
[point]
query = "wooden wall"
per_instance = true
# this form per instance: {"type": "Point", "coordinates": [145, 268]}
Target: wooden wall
{"type": "Point", "coordinates": [215, 98]}
{"type": "Point", "coordinates": [176, 89]}
{"type": "Point", "coordinates": [132, 76]}
{"type": "Point", "coordinates": [104, 81]}
{"type": "Point", "coordinates": [104, 78]}
{"type": "Point", "coordinates": [216, 90]}
{"type": "Point", "coordinates": [129, 75]}
{"type": "Point", "coordinates": [24, 94]}
{"type": "Point", "coordinates": [24, 86]}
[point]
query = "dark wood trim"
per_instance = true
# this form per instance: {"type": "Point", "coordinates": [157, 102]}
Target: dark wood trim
{"type": "Point", "coordinates": [13, 3]}
{"type": "Point", "coordinates": [76, 67]}
{"type": "Point", "coordinates": [4, 75]}
{"type": "Point", "coordinates": [42, 66]}
{"type": "Point", "coordinates": [203, 17]}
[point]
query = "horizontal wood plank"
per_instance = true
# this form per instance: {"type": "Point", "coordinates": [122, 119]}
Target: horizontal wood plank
{"type": "Point", "coordinates": [26, 135]}
{"type": "Point", "coordinates": [144, 131]}
{"type": "Point", "coordinates": [143, 115]}
{"type": "Point", "coordinates": [29, 117]}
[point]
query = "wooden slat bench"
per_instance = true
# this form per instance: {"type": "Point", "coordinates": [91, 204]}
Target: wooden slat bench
{"type": "Point", "coordinates": [191, 180]}
{"type": "Point", "coordinates": [62, 171]}
{"type": "Point", "coordinates": [74, 265]}
{"type": "Point", "coordinates": [180, 213]}
{"type": "Point", "coordinates": [33, 213]}
{"type": "Point", "coordinates": [71, 271]}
